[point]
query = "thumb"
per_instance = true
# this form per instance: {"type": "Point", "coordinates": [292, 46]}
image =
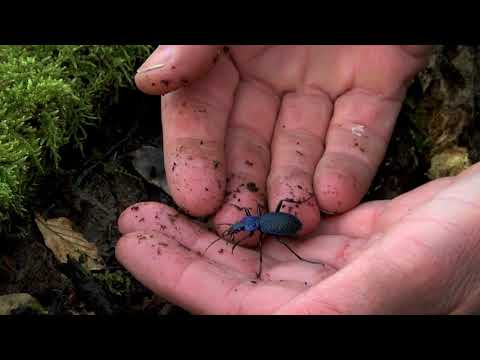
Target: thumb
{"type": "Point", "coordinates": [171, 67]}
{"type": "Point", "coordinates": [426, 263]}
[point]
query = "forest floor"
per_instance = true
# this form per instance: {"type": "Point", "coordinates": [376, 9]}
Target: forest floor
{"type": "Point", "coordinates": [437, 134]}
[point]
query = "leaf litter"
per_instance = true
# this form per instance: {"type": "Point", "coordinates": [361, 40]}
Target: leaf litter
{"type": "Point", "coordinates": [64, 241]}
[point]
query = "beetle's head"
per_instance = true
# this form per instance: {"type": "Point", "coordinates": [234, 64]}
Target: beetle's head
{"type": "Point", "coordinates": [248, 223]}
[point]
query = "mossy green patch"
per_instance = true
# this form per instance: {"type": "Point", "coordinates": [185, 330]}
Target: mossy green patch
{"type": "Point", "coordinates": [116, 282]}
{"type": "Point", "coordinates": [49, 95]}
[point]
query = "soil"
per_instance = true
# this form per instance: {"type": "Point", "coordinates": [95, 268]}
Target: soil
{"type": "Point", "coordinates": [95, 188]}
{"type": "Point", "coordinates": [92, 190]}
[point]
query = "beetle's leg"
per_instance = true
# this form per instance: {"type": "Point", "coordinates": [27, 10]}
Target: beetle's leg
{"type": "Point", "coordinates": [294, 253]}
{"type": "Point", "coordinates": [239, 241]}
{"type": "Point", "coordinates": [260, 242]}
{"type": "Point", "coordinates": [260, 209]}
{"type": "Point", "coordinates": [213, 242]}
{"type": "Point", "coordinates": [247, 210]}
{"type": "Point", "coordinates": [279, 206]}
{"type": "Point", "coordinates": [226, 232]}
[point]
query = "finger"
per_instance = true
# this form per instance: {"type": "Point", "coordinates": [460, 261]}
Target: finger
{"type": "Point", "coordinates": [248, 151]}
{"type": "Point", "coordinates": [426, 263]}
{"type": "Point", "coordinates": [157, 217]}
{"type": "Point", "coordinates": [177, 274]}
{"type": "Point", "coordinates": [194, 127]}
{"type": "Point", "coordinates": [170, 269]}
{"type": "Point", "coordinates": [195, 284]}
{"type": "Point", "coordinates": [469, 171]}
{"type": "Point", "coordinates": [358, 222]}
{"type": "Point", "coordinates": [356, 141]}
{"type": "Point", "coordinates": [421, 51]}
{"type": "Point", "coordinates": [171, 67]}
{"type": "Point", "coordinates": [297, 146]}
{"type": "Point", "coordinates": [341, 239]}
{"type": "Point", "coordinates": [375, 216]}
{"type": "Point", "coordinates": [405, 204]}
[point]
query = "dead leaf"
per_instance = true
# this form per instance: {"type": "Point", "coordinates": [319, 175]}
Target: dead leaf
{"type": "Point", "coordinates": [63, 241]}
{"type": "Point", "coordinates": [11, 302]}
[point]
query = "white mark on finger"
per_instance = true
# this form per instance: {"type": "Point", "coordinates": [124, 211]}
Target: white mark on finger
{"type": "Point", "coordinates": [358, 130]}
{"type": "Point", "coordinates": [150, 68]}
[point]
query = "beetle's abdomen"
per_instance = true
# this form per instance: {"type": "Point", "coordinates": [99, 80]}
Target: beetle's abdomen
{"type": "Point", "coordinates": [280, 224]}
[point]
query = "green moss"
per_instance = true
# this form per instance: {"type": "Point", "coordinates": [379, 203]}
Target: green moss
{"type": "Point", "coordinates": [20, 301]}
{"type": "Point", "coordinates": [49, 95]}
{"type": "Point", "coordinates": [116, 282]}
{"type": "Point", "coordinates": [449, 162]}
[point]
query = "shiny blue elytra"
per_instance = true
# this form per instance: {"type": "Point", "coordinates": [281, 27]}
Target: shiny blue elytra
{"type": "Point", "coordinates": [279, 224]}
{"type": "Point", "coordinates": [275, 224]}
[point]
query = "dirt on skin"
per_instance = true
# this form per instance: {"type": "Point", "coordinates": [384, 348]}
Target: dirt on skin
{"type": "Point", "coordinates": [94, 189]}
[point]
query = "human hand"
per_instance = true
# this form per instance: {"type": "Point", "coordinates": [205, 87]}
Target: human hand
{"type": "Point", "coordinates": [273, 122]}
{"type": "Point", "coordinates": [415, 254]}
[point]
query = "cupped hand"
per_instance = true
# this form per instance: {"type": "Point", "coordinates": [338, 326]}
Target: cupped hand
{"type": "Point", "coordinates": [415, 254]}
{"type": "Point", "coordinates": [257, 124]}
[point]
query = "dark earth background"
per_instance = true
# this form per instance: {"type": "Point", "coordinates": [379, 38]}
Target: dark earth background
{"type": "Point", "coordinates": [437, 134]}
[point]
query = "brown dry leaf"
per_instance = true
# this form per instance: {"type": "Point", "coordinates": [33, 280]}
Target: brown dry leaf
{"type": "Point", "coordinates": [62, 240]}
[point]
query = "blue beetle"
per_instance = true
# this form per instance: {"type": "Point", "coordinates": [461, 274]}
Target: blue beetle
{"type": "Point", "coordinates": [275, 224]}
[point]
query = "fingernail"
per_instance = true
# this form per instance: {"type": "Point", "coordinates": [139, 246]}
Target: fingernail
{"type": "Point", "coordinates": [328, 212]}
{"type": "Point", "coordinates": [159, 59]}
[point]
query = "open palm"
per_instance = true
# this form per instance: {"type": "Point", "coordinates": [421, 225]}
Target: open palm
{"type": "Point", "coordinates": [257, 124]}
{"type": "Point", "coordinates": [407, 255]}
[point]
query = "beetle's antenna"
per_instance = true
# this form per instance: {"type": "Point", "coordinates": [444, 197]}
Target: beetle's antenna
{"type": "Point", "coordinates": [247, 210]}
{"type": "Point", "coordinates": [213, 242]}
{"type": "Point", "coordinates": [226, 232]}
{"type": "Point", "coordinates": [298, 202]}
